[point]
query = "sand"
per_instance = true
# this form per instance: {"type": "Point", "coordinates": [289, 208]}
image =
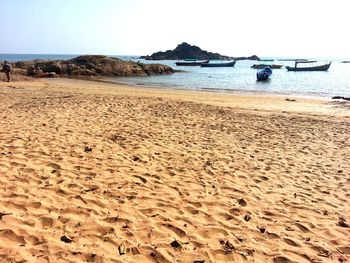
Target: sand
{"type": "Point", "coordinates": [95, 172]}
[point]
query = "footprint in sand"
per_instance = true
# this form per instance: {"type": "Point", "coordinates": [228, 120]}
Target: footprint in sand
{"type": "Point", "coordinates": [34, 205]}
{"type": "Point", "coordinates": [178, 231]}
{"type": "Point", "coordinates": [55, 166]}
{"type": "Point", "coordinates": [192, 210]}
{"type": "Point", "coordinates": [291, 242]}
{"type": "Point", "coordinates": [46, 222]}
{"type": "Point", "coordinates": [344, 250]}
{"type": "Point", "coordinates": [281, 259]}
{"type": "Point", "coordinates": [15, 164]}
{"type": "Point", "coordinates": [143, 180]}
{"type": "Point", "coordinates": [304, 229]}
{"type": "Point", "coordinates": [152, 211]}
{"type": "Point", "coordinates": [12, 236]}
{"type": "Point", "coordinates": [196, 204]}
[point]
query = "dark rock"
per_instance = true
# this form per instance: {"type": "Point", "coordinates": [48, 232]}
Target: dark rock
{"type": "Point", "coordinates": [49, 75]}
{"type": "Point", "coordinates": [51, 66]}
{"type": "Point", "coordinates": [340, 98]}
{"type": "Point", "coordinates": [4, 214]}
{"type": "Point", "coordinates": [262, 229]}
{"type": "Point", "coordinates": [66, 239]}
{"type": "Point", "coordinates": [136, 158]}
{"type": "Point", "coordinates": [227, 246]}
{"type": "Point", "coordinates": [187, 51]}
{"type": "Point", "coordinates": [34, 71]}
{"type": "Point", "coordinates": [89, 66]}
{"type": "Point", "coordinates": [23, 64]}
{"type": "Point", "coordinates": [342, 222]}
{"type": "Point", "coordinates": [242, 202]}
{"type": "Point", "coordinates": [19, 71]}
{"type": "Point", "coordinates": [254, 57]}
{"type": "Point", "coordinates": [247, 217]}
{"type": "Point", "coordinates": [184, 51]}
{"type": "Point", "coordinates": [87, 149]}
{"type": "Point", "coordinates": [175, 244]}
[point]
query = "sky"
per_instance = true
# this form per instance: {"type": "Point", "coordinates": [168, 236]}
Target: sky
{"type": "Point", "coordinates": [140, 27]}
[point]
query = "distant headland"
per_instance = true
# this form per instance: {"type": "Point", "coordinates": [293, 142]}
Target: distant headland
{"type": "Point", "coordinates": [187, 51]}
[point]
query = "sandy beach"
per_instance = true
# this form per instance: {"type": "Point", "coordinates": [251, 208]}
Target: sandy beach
{"type": "Point", "coordinates": [99, 172]}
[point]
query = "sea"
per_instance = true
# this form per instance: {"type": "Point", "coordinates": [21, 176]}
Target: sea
{"type": "Point", "coordinates": [238, 79]}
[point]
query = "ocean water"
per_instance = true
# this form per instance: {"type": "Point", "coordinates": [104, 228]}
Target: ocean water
{"type": "Point", "coordinates": [240, 78]}
{"type": "Point", "coordinates": [26, 57]}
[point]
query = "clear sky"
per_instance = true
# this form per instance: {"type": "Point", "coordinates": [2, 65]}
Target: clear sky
{"type": "Point", "coordinates": [141, 27]}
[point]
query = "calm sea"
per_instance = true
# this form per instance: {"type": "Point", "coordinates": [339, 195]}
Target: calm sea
{"type": "Point", "coordinates": [240, 78]}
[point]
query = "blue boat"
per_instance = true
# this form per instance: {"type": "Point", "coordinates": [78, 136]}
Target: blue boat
{"type": "Point", "coordinates": [264, 74]}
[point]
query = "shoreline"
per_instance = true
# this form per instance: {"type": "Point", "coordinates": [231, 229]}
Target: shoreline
{"type": "Point", "coordinates": [213, 90]}
{"type": "Point", "coordinates": [160, 88]}
{"type": "Point", "coordinates": [285, 103]}
{"type": "Point", "coordinates": [250, 101]}
{"type": "Point", "coordinates": [98, 172]}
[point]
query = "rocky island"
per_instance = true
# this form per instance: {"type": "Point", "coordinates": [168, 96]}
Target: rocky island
{"type": "Point", "coordinates": [187, 51]}
{"type": "Point", "coordinates": [89, 65]}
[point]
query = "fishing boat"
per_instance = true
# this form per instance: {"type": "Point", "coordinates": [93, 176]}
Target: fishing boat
{"type": "Point", "coordinates": [264, 74]}
{"type": "Point", "coordinates": [323, 67]}
{"type": "Point", "coordinates": [261, 66]}
{"type": "Point", "coordinates": [191, 62]}
{"type": "Point", "coordinates": [220, 64]}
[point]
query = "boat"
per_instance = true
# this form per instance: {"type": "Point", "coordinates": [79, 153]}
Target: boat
{"type": "Point", "coordinates": [220, 64]}
{"type": "Point", "coordinates": [323, 67]}
{"type": "Point", "coordinates": [264, 74]}
{"type": "Point", "coordinates": [292, 59]}
{"type": "Point", "coordinates": [261, 66]}
{"type": "Point", "coordinates": [194, 62]}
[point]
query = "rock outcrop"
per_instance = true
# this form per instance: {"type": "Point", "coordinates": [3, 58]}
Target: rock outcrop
{"type": "Point", "coordinates": [89, 65]}
{"type": "Point", "coordinates": [254, 57]}
{"type": "Point", "coordinates": [187, 51]}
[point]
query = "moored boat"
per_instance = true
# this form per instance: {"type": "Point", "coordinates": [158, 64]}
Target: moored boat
{"type": "Point", "coordinates": [188, 62]}
{"type": "Point", "coordinates": [264, 74]}
{"type": "Point", "coordinates": [261, 66]}
{"type": "Point", "coordinates": [220, 64]}
{"type": "Point", "coordinates": [323, 67]}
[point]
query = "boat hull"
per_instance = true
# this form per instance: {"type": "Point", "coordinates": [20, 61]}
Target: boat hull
{"type": "Point", "coordinates": [316, 68]}
{"type": "Point", "coordinates": [264, 74]}
{"type": "Point", "coordinates": [261, 66]}
{"type": "Point", "coordinates": [191, 63]}
{"type": "Point", "coordinates": [215, 65]}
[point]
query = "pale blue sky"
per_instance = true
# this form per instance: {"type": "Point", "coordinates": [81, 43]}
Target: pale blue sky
{"type": "Point", "coordinates": [140, 27]}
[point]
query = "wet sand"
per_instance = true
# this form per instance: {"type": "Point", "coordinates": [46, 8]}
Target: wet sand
{"type": "Point", "coordinates": [95, 172]}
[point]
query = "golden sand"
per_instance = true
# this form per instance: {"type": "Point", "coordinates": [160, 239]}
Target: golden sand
{"type": "Point", "coordinates": [95, 172]}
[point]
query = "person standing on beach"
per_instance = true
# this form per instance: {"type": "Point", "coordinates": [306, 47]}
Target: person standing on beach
{"type": "Point", "coordinates": [6, 67]}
